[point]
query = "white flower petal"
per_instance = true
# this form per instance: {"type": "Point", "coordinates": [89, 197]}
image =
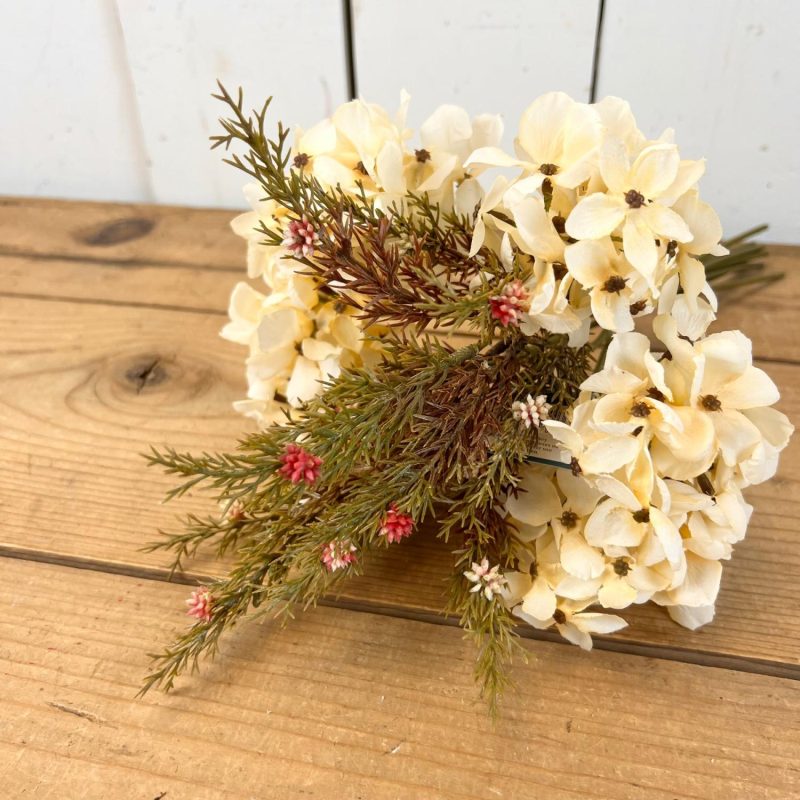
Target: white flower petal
{"type": "Point", "coordinates": [616, 593]}
{"type": "Point", "coordinates": [540, 601]}
{"type": "Point", "coordinates": [572, 633]}
{"type": "Point", "coordinates": [593, 622]}
{"type": "Point", "coordinates": [654, 169]}
{"type": "Point", "coordinates": [491, 157]}
{"type": "Point", "coordinates": [579, 558]}
{"type": "Point", "coordinates": [304, 383]}
{"type": "Point", "coordinates": [665, 222]}
{"type": "Point", "coordinates": [596, 216]}
{"type": "Point", "coordinates": [537, 500]}
{"type": "Point", "coordinates": [752, 390]}
{"type": "Point", "coordinates": [691, 617]}
{"type": "Point", "coordinates": [608, 455]}
{"type": "Point", "coordinates": [639, 243]}
{"type": "Point", "coordinates": [587, 262]}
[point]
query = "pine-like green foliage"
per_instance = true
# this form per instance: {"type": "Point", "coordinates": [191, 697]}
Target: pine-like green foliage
{"type": "Point", "coordinates": [429, 428]}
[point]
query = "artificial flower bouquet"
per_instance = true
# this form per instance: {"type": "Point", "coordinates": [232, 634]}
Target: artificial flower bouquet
{"type": "Point", "coordinates": [446, 331]}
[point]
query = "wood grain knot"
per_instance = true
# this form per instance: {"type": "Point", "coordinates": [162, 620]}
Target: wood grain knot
{"type": "Point", "coordinates": [117, 232]}
{"type": "Point", "coordinates": [146, 372]}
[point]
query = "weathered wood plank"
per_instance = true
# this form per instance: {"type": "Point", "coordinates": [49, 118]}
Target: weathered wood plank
{"type": "Point", "coordinates": [348, 705]}
{"type": "Point", "coordinates": [178, 257]}
{"type": "Point", "coordinates": [86, 388]}
{"type": "Point", "coordinates": [119, 232]}
{"type": "Point", "coordinates": [132, 284]}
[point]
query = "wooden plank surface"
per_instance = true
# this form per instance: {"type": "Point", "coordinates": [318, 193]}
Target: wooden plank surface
{"type": "Point", "coordinates": [113, 233]}
{"type": "Point", "coordinates": [109, 342]}
{"type": "Point", "coordinates": [347, 705]}
{"type": "Point", "coordinates": [192, 256]}
{"type": "Point", "coordinates": [79, 413]}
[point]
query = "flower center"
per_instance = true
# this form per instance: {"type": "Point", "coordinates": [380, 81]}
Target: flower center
{"type": "Point", "coordinates": [422, 155]}
{"type": "Point", "coordinates": [622, 567]}
{"type": "Point", "coordinates": [640, 410]}
{"type": "Point", "coordinates": [638, 307]}
{"type": "Point", "coordinates": [655, 394]}
{"type": "Point", "coordinates": [559, 616]}
{"type": "Point", "coordinates": [575, 467]}
{"type": "Point", "coordinates": [548, 169]}
{"type": "Point", "coordinates": [300, 160]}
{"type": "Point", "coordinates": [615, 284]}
{"type": "Point", "coordinates": [710, 402]}
{"type": "Point", "coordinates": [634, 199]}
{"type": "Point", "coordinates": [642, 515]}
{"type": "Point", "coordinates": [569, 519]}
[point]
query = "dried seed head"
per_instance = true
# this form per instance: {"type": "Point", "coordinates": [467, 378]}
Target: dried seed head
{"type": "Point", "coordinates": [548, 169]}
{"type": "Point", "coordinates": [622, 567]}
{"type": "Point", "coordinates": [300, 160]}
{"type": "Point", "coordinates": [638, 307]}
{"type": "Point", "coordinates": [569, 519]}
{"type": "Point", "coordinates": [640, 410]}
{"type": "Point", "coordinates": [615, 284]}
{"type": "Point", "coordinates": [642, 515]}
{"type": "Point", "coordinates": [422, 155]}
{"type": "Point", "coordinates": [710, 402]}
{"type": "Point", "coordinates": [634, 199]}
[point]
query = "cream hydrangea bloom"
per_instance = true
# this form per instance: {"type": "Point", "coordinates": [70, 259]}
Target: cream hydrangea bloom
{"type": "Point", "coordinates": [557, 140]}
{"type": "Point", "coordinates": [638, 199]}
{"type": "Point", "coordinates": [595, 226]}
{"type": "Point", "coordinates": [296, 338]}
{"type": "Point", "coordinates": [662, 446]}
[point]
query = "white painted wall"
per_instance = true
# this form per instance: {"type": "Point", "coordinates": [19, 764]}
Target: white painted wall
{"type": "Point", "coordinates": [110, 99]}
{"type": "Point", "coordinates": [490, 56]}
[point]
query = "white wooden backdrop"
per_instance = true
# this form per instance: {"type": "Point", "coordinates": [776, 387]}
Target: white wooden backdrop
{"type": "Point", "coordinates": [109, 99]}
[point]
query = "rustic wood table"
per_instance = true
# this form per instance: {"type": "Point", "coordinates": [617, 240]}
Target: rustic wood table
{"type": "Point", "coordinates": [110, 320]}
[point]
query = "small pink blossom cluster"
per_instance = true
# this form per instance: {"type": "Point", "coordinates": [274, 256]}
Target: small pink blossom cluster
{"type": "Point", "coordinates": [338, 554]}
{"type": "Point", "coordinates": [487, 579]}
{"type": "Point", "coordinates": [510, 303]}
{"type": "Point", "coordinates": [299, 465]}
{"type": "Point", "coordinates": [199, 604]}
{"type": "Point", "coordinates": [531, 410]}
{"type": "Point", "coordinates": [395, 526]}
{"type": "Point", "coordinates": [300, 237]}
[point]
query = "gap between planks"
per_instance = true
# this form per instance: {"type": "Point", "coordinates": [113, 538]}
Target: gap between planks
{"type": "Point", "coordinates": [748, 664]}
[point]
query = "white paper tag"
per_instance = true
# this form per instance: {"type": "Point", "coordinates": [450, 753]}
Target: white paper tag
{"type": "Point", "coordinates": [549, 451]}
